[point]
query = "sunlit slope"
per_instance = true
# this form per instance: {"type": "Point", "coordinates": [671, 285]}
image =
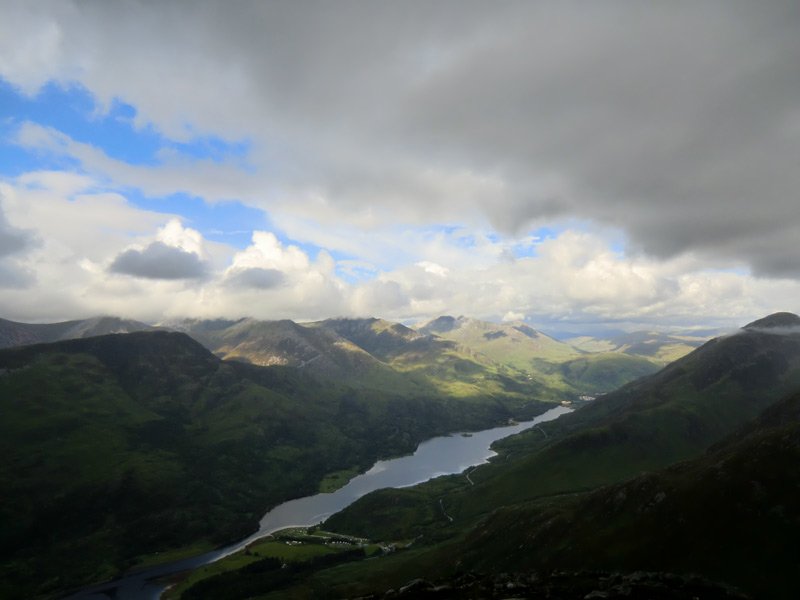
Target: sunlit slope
{"type": "Point", "coordinates": [730, 408]}
{"type": "Point", "coordinates": [317, 351]}
{"type": "Point", "coordinates": [658, 347]}
{"type": "Point", "coordinates": [373, 354]}
{"type": "Point", "coordinates": [439, 364]}
{"type": "Point", "coordinates": [539, 357]}
{"type": "Point", "coordinates": [120, 446]}
{"type": "Point", "coordinates": [667, 417]}
{"type": "Point", "coordinates": [672, 415]}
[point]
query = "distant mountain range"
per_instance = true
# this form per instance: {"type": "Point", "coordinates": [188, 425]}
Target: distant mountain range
{"type": "Point", "coordinates": [654, 345]}
{"type": "Point", "coordinates": [21, 334]}
{"type": "Point", "coordinates": [458, 356]}
{"type": "Point", "coordinates": [593, 492]}
{"type": "Point", "coordinates": [119, 447]}
{"type": "Point", "coordinates": [174, 438]}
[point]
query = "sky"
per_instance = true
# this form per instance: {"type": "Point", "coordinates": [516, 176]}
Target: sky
{"type": "Point", "coordinates": [570, 164]}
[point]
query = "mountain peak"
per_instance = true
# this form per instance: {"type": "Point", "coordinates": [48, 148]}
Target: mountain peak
{"type": "Point", "coordinates": [776, 320]}
{"type": "Point", "coordinates": [441, 324]}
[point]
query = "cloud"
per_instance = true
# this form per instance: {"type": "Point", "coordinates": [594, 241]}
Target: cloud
{"type": "Point", "coordinates": [256, 278]}
{"type": "Point", "coordinates": [569, 277]}
{"type": "Point", "coordinates": [12, 239]}
{"type": "Point", "coordinates": [159, 261]}
{"type": "Point", "coordinates": [677, 123]}
{"type": "Point", "coordinates": [14, 243]}
{"type": "Point", "coordinates": [14, 277]}
{"type": "Point", "coordinates": [267, 252]}
{"type": "Point", "coordinates": [419, 143]}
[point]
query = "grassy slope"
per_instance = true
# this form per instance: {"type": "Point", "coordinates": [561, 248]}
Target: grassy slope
{"type": "Point", "coordinates": [665, 418]}
{"type": "Point", "coordinates": [371, 354]}
{"type": "Point", "coordinates": [733, 515]}
{"type": "Point", "coordinates": [540, 358]}
{"type": "Point", "coordinates": [440, 366]}
{"type": "Point", "coordinates": [730, 515]}
{"type": "Point", "coordinates": [116, 447]}
{"type": "Point", "coordinates": [661, 348]}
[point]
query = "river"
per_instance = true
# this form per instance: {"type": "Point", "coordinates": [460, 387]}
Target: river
{"type": "Point", "coordinates": [438, 456]}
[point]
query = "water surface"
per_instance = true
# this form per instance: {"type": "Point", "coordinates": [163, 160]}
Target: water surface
{"type": "Point", "coordinates": [438, 456]}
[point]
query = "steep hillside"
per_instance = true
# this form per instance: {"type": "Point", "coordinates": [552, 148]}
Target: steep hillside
{"type": "Point", "coordinates": [460, 357]}
{"type": "Point", "coordinates": [514, 344]}
{"type": "Point", "coordinates": [539, 357]}
{"type": "Point", "coordinates": [319, 352]}
{"type": "Point", "coordinates": [658, 347]}
{"type": "Point", "coordinates": [117, 447]}
{"type": "Point", "coordinates": [373, 354]}
{"type": "Point", "coordinates": [384, 340]}
{"type": "Point", "coordinates": [558, 497]}
{"type": "Point", "coordinates": [673, 415]}
{"type": "Point", "coordinates": [439, 365]}
{"type": "Point", "coordinates": [732, 515]}
{"type": "Point", "coordinates": [20, 334]}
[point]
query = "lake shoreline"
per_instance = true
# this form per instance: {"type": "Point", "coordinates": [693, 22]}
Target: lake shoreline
{"type": "Point", "coordinates": [144, 583]}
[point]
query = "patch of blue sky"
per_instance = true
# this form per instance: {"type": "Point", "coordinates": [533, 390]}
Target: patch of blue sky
{"type": "Point", "coordinates": [354, 272]}
{"type": "Point", "coordinates": [216, 149]}
{"type": "Point", "coordinates": [73, 110]}
{"type": "Point", "coordinates": [16, 160]}
{"type": "Point", "coordinates": [548, 232]}
{"type": "Point", "coordinates": [229, 222]}
{"type": "Point", "coordinates": [456, 235]}
{"type": "Point", "coordinates": [618, 247]}
{"type": "Point", "coordinates": [527, 246]}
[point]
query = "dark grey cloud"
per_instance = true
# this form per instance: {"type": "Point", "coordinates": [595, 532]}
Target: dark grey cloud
{"type": "Point", "coordinates": [677, 122]}
{"type": "Point", "coordinates": [159, 261]}
{"type": "Point", "coordinates": [13, 240]}
{"type": "Point", "coordinates": [256, 278]}
{"type": "Point", "coordinates": [15, 277]}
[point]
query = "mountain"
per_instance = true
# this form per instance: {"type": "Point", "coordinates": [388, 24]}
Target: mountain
{"type": "Point", "coordinates": [319, 351]}
{"type": "Point", "coordinates": [460, 357]}
{"type": "Point", "coordinates": [382, 339]}
{"type": "Point", "coordinates": [374, 354]}
{"type": "Point", "coordinates": [781, 322]}
{"type": "Point", "coordinates": [603, 490]}
{"type": "Point", "coordinates": [661, 348]}
{"type": "Point", "coordinates": [732, 514]}
{"type": "Point", "coordinates": [124, 449]}
{"type": "Point", "coordinates": [672, 415]}
{"type": "Point", "coordinates": [515, 344]}
{"type": "Point", "coordinates": [539, 357]}
{"type": "Point", "coordinates": [20, 334]}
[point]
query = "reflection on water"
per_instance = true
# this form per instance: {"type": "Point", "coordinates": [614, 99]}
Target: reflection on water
{"type": "Point", "coordinates": [436, 457]}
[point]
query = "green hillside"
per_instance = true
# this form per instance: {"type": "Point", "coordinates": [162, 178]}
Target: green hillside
{"type": "Point", "coordinates": [538, 357]}
{"type": "Point", "coordinates": [463, 358]}
{"type": "Point", "coordinates": [317, 351]}
{"type": "Point", "coordinates": [594, 492]}
{"type": "Point", "coordinates": [655, 346]}
{"type": "Point", "coordinates": [732, 515]}
{"type": "Point", "coordinates": [672, 415]}
{"type": "Point", "coordinates": [117, 447]}
{"type": "Point", "coordinates": [374, 354]}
